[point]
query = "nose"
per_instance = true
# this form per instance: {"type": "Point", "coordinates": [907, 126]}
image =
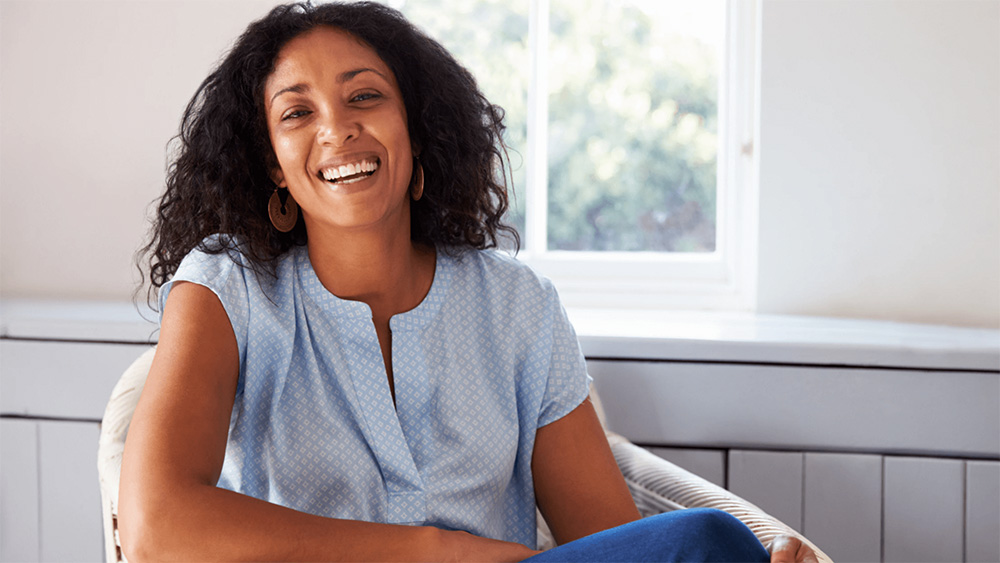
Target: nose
{"type": "Point", "coordinates": [338, 128]}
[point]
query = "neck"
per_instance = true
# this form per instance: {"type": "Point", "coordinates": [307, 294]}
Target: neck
{"type": "Point", "coordinates": [384, 269]}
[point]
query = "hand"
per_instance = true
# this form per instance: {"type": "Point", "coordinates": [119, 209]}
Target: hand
{"type": "Point", "coordinates": [463, 547]}
{"type": "Point", "coordinates": [790, 549]}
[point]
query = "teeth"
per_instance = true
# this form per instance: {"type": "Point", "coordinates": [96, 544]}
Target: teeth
{"type": "Point", "coordinates": [335, 173]}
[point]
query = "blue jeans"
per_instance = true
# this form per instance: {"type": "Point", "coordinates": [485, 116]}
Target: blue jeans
{"type": "Point", "coordinates": [695, 534]}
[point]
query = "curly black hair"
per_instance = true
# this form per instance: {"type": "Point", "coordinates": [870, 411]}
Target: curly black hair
{"type": "Point", "coordinates": [219, 182]}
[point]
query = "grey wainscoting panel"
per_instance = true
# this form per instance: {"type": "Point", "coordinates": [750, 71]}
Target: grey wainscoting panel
{"type": "Point", "coordinates": [61, 379]}
{"type": "Point", "coordinates": [842, 508]}
{"type": "Point", "coordinates": [771, 480]}
{"type": "Point", "coordinates": [982, 511]}
{"type": "Point", "coordinates": [18, 490]}
{"type": "Point", "coordinates": [70, 500]}
{"type": "Point", "coordinates": [707, 464]}
{"type": "Point", "coordinates": [801, 407]}
{"type": "Point", "coordinates": [924, 509]}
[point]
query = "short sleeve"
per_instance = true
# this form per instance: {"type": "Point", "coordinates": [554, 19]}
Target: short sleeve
{"type": "Point", "coordinates": [225, 277]}
{"type": "Point", "coordinates": [567, 383]}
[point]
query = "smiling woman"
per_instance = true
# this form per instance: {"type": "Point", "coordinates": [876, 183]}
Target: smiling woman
{"type": "Point", "coordinates": [368, 380]}
{"type": "Point", "coordinates": [338, 127]}
{"type": "Point", "coordinates": [224, 173]}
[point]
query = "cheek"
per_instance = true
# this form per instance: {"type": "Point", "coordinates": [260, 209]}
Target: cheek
{"type": "Point", "coordinates": [395, 126]}
{"type": "Point", "coordinates": [292, 152]}
{"type": "Point", "coordinates": [397, 130]}
{"type": "Point", "coordinates": [283, 147]}
{"type": "Point", "coordinates": [291, 157]}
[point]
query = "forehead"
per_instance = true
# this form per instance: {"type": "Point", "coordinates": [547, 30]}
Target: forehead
{"type": "Point", "coordinates": [321, 53]}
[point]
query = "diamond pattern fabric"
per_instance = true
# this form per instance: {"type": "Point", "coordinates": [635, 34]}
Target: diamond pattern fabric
{"type": "Point", "coordinates": [486, 359]}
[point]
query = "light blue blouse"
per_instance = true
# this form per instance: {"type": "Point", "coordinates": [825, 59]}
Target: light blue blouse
{"type": "Point", "coordinates": [486, 359]}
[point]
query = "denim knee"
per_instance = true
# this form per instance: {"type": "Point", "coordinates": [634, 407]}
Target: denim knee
{"type": "Point", "coordinates": [715, 521]}
{"type": "Point", "coordinates": [696, 534]}
{"type": "Point", "coordinates": [729, 533]}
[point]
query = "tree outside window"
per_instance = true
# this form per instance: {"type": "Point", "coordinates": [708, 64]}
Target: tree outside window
{"type": "Point", "coordinates": [625, 114]}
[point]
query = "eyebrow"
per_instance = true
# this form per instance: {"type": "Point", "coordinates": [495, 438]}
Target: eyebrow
{"type": "Point", "coordinates": [350, 74]}
{"type": "Point", "coordinates": [342, 78]}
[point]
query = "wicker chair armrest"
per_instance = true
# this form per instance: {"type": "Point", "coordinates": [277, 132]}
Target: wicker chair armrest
{"type": "Point", "coordinates": [660, 486]}
{"type": "Point", "coordinates": [117, 416]}
{"type": "Point", "coordinates": [114, 428]}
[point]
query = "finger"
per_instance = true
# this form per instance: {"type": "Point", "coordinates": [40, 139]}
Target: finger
{"type": "Point", "coordinates": [805, 554]}
{"type": "Point", "coordinates": [784, 549]}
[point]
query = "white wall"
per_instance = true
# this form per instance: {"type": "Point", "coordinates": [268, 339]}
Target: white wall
{"type": "Point", "coordinates": [880, 148]}
{"type": "Point", "coordinates": [880, 160]}
{"type": "Point", "coordinates": [90, 93]}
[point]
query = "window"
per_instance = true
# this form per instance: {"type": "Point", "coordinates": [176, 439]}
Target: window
{"type": "Point", "coordinates": [630, 124]}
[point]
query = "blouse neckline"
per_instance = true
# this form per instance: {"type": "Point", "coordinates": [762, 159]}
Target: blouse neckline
{"type": "Point", "coordinates": [415, 318]}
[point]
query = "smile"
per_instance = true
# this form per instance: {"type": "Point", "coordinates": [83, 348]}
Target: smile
{"type": "Point", "coordinates": [350, 173]}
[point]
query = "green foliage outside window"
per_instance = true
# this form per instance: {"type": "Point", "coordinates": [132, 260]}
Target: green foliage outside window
{"type": "Point", "coordinates": [633, 116]}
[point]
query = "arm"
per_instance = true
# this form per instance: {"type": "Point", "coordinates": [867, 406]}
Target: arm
{"type": "Point", "coordinates": [578, 486]}
{"type": "Point", "coordinates": [580, 490]}
{"type": "Point", "coordinates": [170, 507]}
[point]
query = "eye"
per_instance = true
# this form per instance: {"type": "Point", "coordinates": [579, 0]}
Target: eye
{"type": "Point", "coordinates": [366, 96]}
{"type": "Point", "coordinates": [295, 114]}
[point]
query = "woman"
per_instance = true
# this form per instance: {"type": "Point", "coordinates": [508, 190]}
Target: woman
{"type": "Point", "coordinates": [345, 371]}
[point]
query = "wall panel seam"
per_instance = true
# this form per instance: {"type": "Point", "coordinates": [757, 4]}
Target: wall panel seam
{"type": "Point", "coordinates": [876, 367]}
{"type": "Point", "coordinates": [38, 417]}
{"type": "Point", "coordinates": [802, 495]}
{"type": "Point", "coordinates": [78, 340]}
{"type": "Point", "coordinates": [38, 489]}
{"type": "Point", "coordinates": [965, 510]}
{"type": "Point", "coordinates": [881, 452]}
{"type": "Point", "coordinates": [882, 516]}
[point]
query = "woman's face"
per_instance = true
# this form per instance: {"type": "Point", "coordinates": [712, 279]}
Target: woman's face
{"type": "Point", "coordinates": [338, 127]}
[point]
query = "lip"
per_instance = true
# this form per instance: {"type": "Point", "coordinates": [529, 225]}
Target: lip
{"type": "Point", "coordinates": [349, 177]}
{"type": "Point", "coordinates": [350, 158]}
{"type": "Point", "coordinates": [354, 183]}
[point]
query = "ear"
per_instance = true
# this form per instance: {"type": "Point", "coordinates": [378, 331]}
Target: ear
{"type": "Point", "coordinates": [278, 177]}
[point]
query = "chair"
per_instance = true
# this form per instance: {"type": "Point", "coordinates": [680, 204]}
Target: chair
{"type": "Point", "coordinates": [656, 484]}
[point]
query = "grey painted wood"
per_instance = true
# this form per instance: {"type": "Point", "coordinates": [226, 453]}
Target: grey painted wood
{"type": "Point", "coordinates": [61, 379]}
{"type": "Point", "coordinates": [650, 334]}
{"type": "Point", "coordinates": [842, 508]}
{"type": "Point", "coordinates": [771, 480]}
{"type": "Point", "coordinates": [923, 509]}
{"type": "Point", "coordinates": [707, 464]}
{"type": "Point", "coordinates": [781, 407]}
{"type": "Point", "coordinates": [19, 490]}
{"type": "Point", "coordinates": [70, 500]}
{"type": "Point", "coordinates": [982, 511]}
{"type": "Point", "coordinates": [62, 319]}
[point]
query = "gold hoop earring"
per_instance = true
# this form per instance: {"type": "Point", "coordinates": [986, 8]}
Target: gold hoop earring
{"type": "Point", "coordinates": [282, 210]}
{"type": "Point", "coordinates": [417, 184]}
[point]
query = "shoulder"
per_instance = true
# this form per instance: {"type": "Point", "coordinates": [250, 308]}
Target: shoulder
{"type": "Point", "coordinates": [215, 257]}
{"type": "Point", "coordinates": [500, 275]}
{"type": "Point", "coordinates": [220, 263]}
{"type": "Point", "coordinates": [505, 290]}
{"type": "Point", "coordinates": [222, 254]}
{"type": "Point", "coordinates": [212, 263]}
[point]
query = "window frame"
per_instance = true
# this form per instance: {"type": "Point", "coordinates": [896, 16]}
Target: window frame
{"type": "Point", "coordinates": [723, 279]}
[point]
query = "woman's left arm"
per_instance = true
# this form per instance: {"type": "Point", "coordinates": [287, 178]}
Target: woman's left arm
{"type": "Point", "coordinates": [578, 486]}
{"type": "Point", "coordinates": [580, 490]}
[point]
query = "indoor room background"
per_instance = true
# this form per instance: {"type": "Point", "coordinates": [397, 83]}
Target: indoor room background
{"type": "Point", "coordinates": [875, 197]}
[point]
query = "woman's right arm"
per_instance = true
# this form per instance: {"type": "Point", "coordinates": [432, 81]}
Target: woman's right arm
{"type": "Point", "coordinates": [169, 505]}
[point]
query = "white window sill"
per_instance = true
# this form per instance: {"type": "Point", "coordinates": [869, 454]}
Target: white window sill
{"type": "Point", "coordinates": [618, 334]}
{"type": "Point", "coordinates": [715, 336]}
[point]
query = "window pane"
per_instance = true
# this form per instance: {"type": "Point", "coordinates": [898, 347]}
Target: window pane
{"type": "Point", "coordinates": [490, 38]}
{"type": "Point", "coordinates": [633, 121]}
